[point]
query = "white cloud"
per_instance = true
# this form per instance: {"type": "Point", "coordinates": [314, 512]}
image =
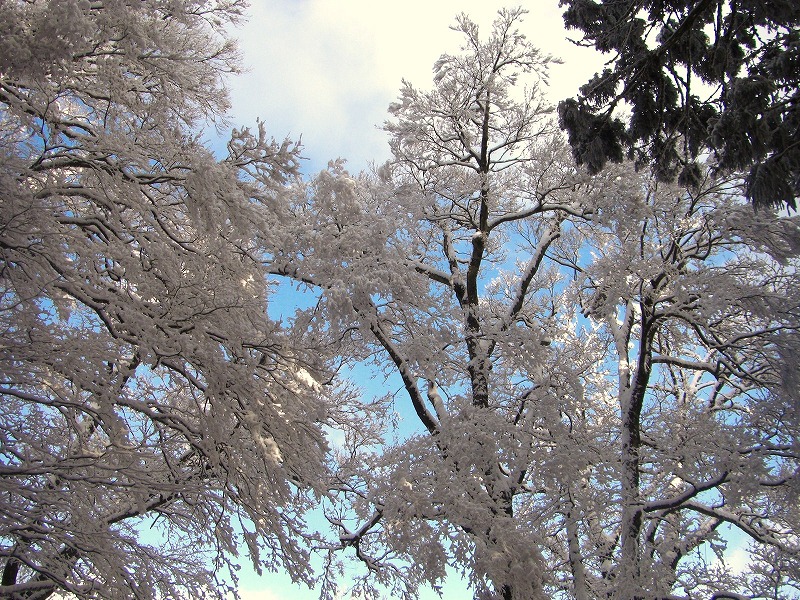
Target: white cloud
{"type": "Point", "coordinates": [258, 595]}
{"type": "Point", "coordinates": [327, 70]}
{"type": "Point", "coordinates": [737, 559]}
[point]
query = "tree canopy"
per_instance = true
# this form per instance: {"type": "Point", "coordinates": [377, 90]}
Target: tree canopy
{"type": "Point", "coordinates": [599, 368]}
{"type": "Point", "coordinates": [598, 373]}
{"type": "Point", "coordinates": [154, 422]}
{"type": "Point", "coordinates": [718, 76]}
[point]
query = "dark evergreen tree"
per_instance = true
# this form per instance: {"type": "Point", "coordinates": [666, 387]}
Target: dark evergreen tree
{"type": "Point", "coordinates": [698, 76]}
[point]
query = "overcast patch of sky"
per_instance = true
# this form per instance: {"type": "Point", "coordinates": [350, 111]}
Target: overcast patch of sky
{"type": "Point", "coordinates": [326, 70]}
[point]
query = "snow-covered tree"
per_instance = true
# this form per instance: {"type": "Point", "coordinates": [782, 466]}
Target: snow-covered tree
{"type": "Point", "coordinates": [154, 423]}
{"type": "Point", "coordinates": [404, 264]}
{"type": "Point", "coordinates": [682, 433]}
{"type": "Point", "coordinates": [602, 370]}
